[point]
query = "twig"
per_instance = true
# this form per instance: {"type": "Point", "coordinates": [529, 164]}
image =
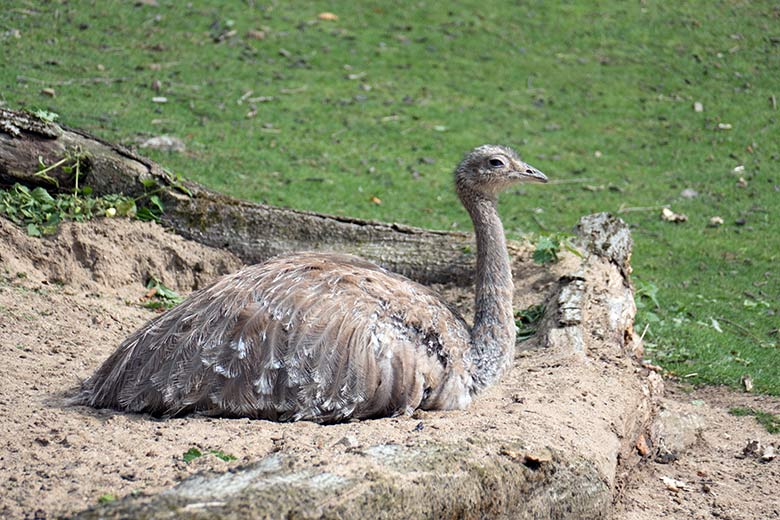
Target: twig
{"type": "Point", "coordinates": [623, 209]}
{"type": "Point", "coordinates": [539, 222]}
{"type": "Point", "coordinates": [81, 81]}
{"type": "Point", "coordinates": [742, 329]}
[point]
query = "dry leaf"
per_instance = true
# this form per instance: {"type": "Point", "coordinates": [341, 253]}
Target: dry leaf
{"type": "Point", "coordinates": [724, 126]}
{"type": "Point", "coordinates": [376, 200]}
{"type": "Point", "coordinates": [254, 34]}
{"type": "Point", "coordinates": [670, 216]}
{"type": "Point", "coordinates": [747, 383]}
{"type": "Point", "coordinates": [674, 484]}
{"type": "Point", "coordinates": [698, 107]}
{"type": "Point", "coordinates": [641, 446]}
{"type": "Point", "coordinates": [742, 183]}
{"type": "Point", "coordinates": [48, 92]}
{"type": "Point", "coordinates": [327, 16]}
{"type": "Point", "coordinates": [715, 222]}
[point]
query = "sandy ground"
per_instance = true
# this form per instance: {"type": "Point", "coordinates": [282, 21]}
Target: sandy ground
{"type": "Point", "coordinates": [67, 301]}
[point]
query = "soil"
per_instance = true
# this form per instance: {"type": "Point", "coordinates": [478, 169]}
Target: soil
{"type": "Point", "coordinates": [67, 301]}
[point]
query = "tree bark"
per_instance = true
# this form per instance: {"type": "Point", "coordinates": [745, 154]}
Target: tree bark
{"type": "Point", "coordinates": [254, 232]}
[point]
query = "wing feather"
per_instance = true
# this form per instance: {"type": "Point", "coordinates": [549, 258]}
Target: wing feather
{"type": "Point", "coordinates": [312, 336]}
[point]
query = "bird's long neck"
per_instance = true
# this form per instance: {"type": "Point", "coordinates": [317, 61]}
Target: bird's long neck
{"type": "Point", "coordinates": [493, 335]}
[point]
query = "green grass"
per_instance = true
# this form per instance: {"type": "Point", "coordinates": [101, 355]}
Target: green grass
{"type": "Point", "coordinates": [768, 420]}
{"type": "Point", "coordinates": [380, 104]}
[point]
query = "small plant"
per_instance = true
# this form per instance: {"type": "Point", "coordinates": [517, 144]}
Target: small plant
{"type": "Point", "coordinates": [221, 455]}
{"type": "Point", "coordinates": [45, 115]}
{"type": "Point", "coordinates": [527, 321]}
{"type": "Point", "coordinates": [194, 453]}
{"type": "Point", "coordinates": [768, 420]}
{"type": "Point", "coordinates": [191, 454]}
{"type": "Point", "coordinates": [159, 296]}
{"type": "Point", "coordinates": [106, 498]}
{"type": "Point", "coordinates": [41, 214]}
{"type": "Point", "coordinates": [549, 246]}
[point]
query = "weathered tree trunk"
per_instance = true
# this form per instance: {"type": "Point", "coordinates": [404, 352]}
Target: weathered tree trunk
{"type": "Point", "coordinates": [254, 232]}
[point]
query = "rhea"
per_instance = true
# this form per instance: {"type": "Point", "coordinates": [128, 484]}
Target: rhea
{"type": "Point", "coordinates": [328, 337]}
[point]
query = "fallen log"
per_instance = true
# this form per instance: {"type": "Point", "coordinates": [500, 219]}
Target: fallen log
{"type": "Point", "coordinates": [254, 232]}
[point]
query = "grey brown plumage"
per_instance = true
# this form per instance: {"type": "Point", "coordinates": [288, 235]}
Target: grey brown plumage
{"type": "Point", "coordinates": [327, 337]}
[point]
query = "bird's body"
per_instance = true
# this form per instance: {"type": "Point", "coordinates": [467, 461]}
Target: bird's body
{"type": "Point", "coordinates": [326, 337]}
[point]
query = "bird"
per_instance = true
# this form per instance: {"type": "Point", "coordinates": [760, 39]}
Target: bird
{"type": "Point", "coordinates": [328, 337]}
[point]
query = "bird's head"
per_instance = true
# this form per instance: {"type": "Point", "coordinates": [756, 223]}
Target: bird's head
{"type": "Point", "coordinates": [489, 169]}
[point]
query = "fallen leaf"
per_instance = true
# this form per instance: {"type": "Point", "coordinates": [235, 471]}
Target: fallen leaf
{"type": "Point", "coordinates": [674, 484]}
{"type": "Point", "coordinates": [641, 446]}
{"type": "Point", "coordinates": [742, 183]}
{"type": "Point", "coordinates": [48, 92]}
{"type": "Point", "coordinates": [724, 126]}
{"type": "Point", "coordinates": [327, 16]}
{"type": "Point", "coordinates": [670, 216]}
{"type": "Point", "coordinates": [254, 34]}
{"type": "Point", "coordinates": [716, 325]}
{"type": "Point", "coordinates": [715, 222]}
{"type": "Point", "coordinates": [698, 107]}
{"type": "Point", "coordinates": [376, 200]}
{"type": "Point", "coordinates": [747, 383]}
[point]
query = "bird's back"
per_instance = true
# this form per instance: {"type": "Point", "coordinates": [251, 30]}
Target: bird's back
{"type": "Point", "coordinates": [311, 336]}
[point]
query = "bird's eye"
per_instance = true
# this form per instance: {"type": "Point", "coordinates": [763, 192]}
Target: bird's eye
{"type": "Point", "coordinates": [496, 163]}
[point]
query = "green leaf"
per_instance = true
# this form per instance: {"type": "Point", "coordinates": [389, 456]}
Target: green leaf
{"type": "Point", "coordinates": [45, 115]}
{"type": "Point", "coordinates": [156, 203]}
{"type": "Point", "coordinates": [126, 208]}
{"type": "Point", "coordinates": [41, 195]}
{"type": "Point", "coordinates": [33, 230]}
{"type": "Point", "coordinates": [191, 454]}
{"type": "Point", "coordinates": [223, 456]}
{"type": "Point", "coordinates": [149, 183]}
{"type": "Point", "coordinates": [146, 215]}
{"type": "Point", "coordinates": [527, 321]}
{"type": "Point", "coordinates": [546, 251]}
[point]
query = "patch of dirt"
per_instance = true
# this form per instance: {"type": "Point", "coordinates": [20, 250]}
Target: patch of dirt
{"type": "Point", "coordinates": [720, 482]}
{"type": "Point", "coordinates": [67, 301]}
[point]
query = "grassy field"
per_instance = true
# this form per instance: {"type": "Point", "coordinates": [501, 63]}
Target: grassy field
{"type": "Point", "coordinates": [366, 115]}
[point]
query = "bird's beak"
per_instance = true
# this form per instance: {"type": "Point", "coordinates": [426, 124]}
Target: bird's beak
{"type": "Point", "coordinates": [526, 172]}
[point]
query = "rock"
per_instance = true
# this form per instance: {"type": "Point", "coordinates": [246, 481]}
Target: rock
{"type": "Point", "coordinates": [350, 442]}
{"type": "Point", "coordinates": [165, 143]}
{"type": "Point", "coordinates": [674, 432]}
{"type": "Point", "coordinates": [768, 453]}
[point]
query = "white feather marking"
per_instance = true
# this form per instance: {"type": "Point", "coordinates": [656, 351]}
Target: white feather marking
{"type": "Point", "coordinates": [240, 347]}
